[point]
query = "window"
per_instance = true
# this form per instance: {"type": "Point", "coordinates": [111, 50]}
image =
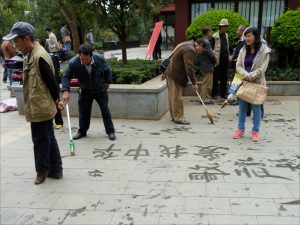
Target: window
{"type": "Point", "coordinates": [168, 31]}
{"type": "Point", "coordinates": [198, 9]}
{"type": "Point", "coordinates": [224, 5]}
{"type": "Point", "coordinates": [250, 10]}
{"type": "Point", "coordinates": [272, 9]}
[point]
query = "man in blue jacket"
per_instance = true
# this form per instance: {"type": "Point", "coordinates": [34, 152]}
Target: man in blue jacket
{"type": "Point", "coordinates": [94, 76]}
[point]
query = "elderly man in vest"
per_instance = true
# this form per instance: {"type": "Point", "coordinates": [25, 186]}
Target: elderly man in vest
{"type": "Point", "coordinates": [178, 73]}
{"type": "Point", "coordinates": [41, 101]}
{"type": "Point", "coordinates": [220, 45]}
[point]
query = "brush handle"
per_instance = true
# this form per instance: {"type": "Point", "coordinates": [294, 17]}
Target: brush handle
{"type": "Point", "coordinates": [198, 94]}
{"type": "Point", "coordinates": [201, 99]}
{"type": "Point", "coordinates": [69, 122]}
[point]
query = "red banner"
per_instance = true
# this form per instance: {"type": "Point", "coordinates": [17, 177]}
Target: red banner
{"type": "Point", "coordinates": [154, 38]}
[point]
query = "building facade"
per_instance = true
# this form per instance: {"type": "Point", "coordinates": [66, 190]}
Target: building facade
{"type": "Point", "coordinates": [260, 13]}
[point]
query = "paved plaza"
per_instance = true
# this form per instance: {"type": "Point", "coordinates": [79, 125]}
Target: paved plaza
{"type": "Point", "coordinates": [135, 53]}
{"type": "Point", "coordinates": [157, 172]}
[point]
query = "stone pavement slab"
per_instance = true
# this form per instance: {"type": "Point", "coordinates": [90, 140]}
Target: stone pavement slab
{"type": "Point", "coordinates": [157, 172]}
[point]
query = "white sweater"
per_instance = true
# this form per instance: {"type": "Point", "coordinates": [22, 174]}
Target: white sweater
{"type": "Point", "coordinates": [257, 73]}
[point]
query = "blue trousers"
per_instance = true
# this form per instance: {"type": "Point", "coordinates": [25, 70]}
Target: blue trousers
{"type": "Point", "coordinates": [46, 152]}
{"type": "Point", "coordinates": [85, 102]}
{"type": "Point", "coordinates": [257, 115]}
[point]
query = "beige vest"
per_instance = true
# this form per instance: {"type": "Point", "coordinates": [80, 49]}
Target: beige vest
{"type": "Point", "coordinates": [217, 49]}
{"type": "Point", "coordinates": [38, 102]}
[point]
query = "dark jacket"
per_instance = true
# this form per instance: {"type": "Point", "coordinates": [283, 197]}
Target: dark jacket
{"type": "Point", "coordinates": [206, 61]}
{"type": "Point", "coordinates": [182, 64]}
{"type": "Point", "coordinates": [237, 49]}
{"type": "Point", "coordinates": [93, 83]}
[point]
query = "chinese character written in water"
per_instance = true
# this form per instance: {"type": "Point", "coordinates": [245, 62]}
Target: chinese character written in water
{"type": "Point", "coordinates": [178, 151]}
{"type": "Point", "coordinates": [263, 173]}
{"type": "Point", "coordinates": [210, 152]}
{"type": "Point", "coordinates": [180, 129]}
{"type": "Point", "coordinates": [137, 152]}
{"type": "Point", "coordinates": [248, 162]}
{"type": "Point", "coordinates": [105, 153]}
{"type": "Point", "coordinates": [208, 173]}
{"type": "Point", "coordinates": [95, 173]}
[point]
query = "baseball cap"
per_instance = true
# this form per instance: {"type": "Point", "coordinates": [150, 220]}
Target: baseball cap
{"type": "Point", "coordinates": [19, 29]}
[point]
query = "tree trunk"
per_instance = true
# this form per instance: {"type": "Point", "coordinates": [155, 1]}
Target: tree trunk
{"type": "Point", "coordinates": [81, 31]}
{"type": "Point", "coordinates": [124, 52]}
{"type": "Point", "coordinates": [75, 36]}
{"type": "Point", "coordinates": [71, 20]}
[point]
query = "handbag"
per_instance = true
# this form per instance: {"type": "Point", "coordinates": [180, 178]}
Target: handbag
{"type": "Point", "coordinates": [164, 64]}
{"type": "Point", "coordinates": [67, 38]}
{"type": "Point", "coordinates": [253, 93]}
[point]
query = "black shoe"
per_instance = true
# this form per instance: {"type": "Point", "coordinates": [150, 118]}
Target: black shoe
{"type": "Point", "coordinates": [40, 178]}
{"type": "Point", "coordinates": [78, 136]}
{"type": "Point", "coordinates": [58, 175]}
{"type": "Point", "coordinates": [184, 122]}
{"type": "Point", "coordinates": [112, 136]}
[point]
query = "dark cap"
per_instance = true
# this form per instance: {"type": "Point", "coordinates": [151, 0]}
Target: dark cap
{"type": "Point", "coordinates": [20, 29]}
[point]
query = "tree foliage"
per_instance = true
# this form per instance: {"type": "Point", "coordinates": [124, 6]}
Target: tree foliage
{"type": "Point", "coordinates": [11, 12]}
{"type": "Point", "coordinates": [286, 30]}
{"type": "Point", "coordinates": [125, 18]}
{"type": "Point", "coordinates": [122, 16]}
{"type": "Point", "coordinates": [212, 18]}
{"type": "Point", "coordinates": [44, 14]}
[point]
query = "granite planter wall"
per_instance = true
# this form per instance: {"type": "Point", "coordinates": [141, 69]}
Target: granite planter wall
{"type": "Point", "coordinates": [283, 88]}
{"type": "Point", "coordinates": [147, 101]}
{"type": "Point", "coordinates": [276, 88]}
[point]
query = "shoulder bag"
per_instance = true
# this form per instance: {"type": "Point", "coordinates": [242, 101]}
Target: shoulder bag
{"type": "Point", "coordinates": [253, 93]}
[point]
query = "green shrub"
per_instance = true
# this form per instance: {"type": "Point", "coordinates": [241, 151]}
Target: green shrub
{"type": "Point", "coordinates": [285, 74]}
{"type": "Point", "coordinates": [286, 31]}
{"type": "Point", "coordinates": [134, 72]}
{"type": "Point", "coordinates": [212, 18]}
{"type": "Point", "coordinates": [100, 52]}
{"type": "Point", "coordinates": [98, 45]}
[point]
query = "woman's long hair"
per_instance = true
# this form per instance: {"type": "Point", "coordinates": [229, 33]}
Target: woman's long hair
{"type": "Point", "coordinates": [257, 41]}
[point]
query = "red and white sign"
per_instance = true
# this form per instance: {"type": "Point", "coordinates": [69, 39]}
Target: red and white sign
{"type": "Point", "coordinates": [154, 38]}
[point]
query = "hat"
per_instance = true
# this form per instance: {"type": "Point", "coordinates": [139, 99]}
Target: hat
{"type": "Point", "coordinates": [223, 22]}
{"type": "Point", "coordinates": [19, 29]}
